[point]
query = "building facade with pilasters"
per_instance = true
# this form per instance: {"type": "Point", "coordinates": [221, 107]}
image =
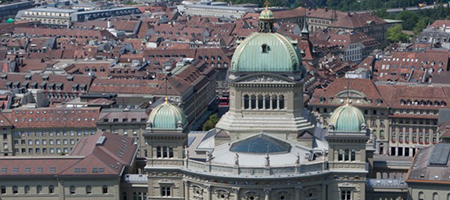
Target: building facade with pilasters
{"type": "Point", "coordinates": [266, 146]}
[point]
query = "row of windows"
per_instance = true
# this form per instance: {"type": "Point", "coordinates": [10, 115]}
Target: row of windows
{"type": "Point", "coordinates": [435, 196]}
{"type": "Point", "coordinates": [51, 189]}
{"type": "Point", "coordinates": [43, 150]}
{"type": "Point", "coordinates": [94, 69]}
{"type": "Point", "coordinates": [346, 155]}
{"type": "Point", "coordinates": [50, 133]}
{"type": "Point", "coordinates": [47, 14]}
{"type": "Point", "coordinates": [413, 121]}
{"type": "Point", "coordinates": [263, 102]}
{"type": "Point", "coordinates": [136, 196]}
{"type": "Point", "coordinates": [44, 142]}
{"type": "Point", "coordinates": [164, 152]}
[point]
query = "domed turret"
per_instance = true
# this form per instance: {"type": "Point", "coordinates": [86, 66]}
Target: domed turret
{"type": "Point", "coordinates": [167, 116]}
{"type": "Point", "coordinates": [347, 118]}
{"type": "Point", "coordinates": [266, 50]}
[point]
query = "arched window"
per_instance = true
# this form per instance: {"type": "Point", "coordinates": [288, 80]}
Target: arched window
{"type": "Point", "coordinates": [267, 102]}
{"type": "Point", "coordinates": [353, 155]}
{"type": "Point", "coordinates": [274, 102]}
{"type": "Point", "coordinates": [15, 190]}
{"type": "Point", "coordinates": [105, 189]}
{"type": "Point", "coordinates": [421, 196]}
{"type": "Point", "coordinates": [88, 189]}
{"type": "Point", "coordinates": [281, 101]}
{"type": "Point", "coordinates": [94, 69]}
{"type": "Point", "coordinates": [72, 189]}
{"type": "Point", "coordinates": [253, 101]}
{"type": "Point", "coordinates": [382, 134]}
{"type": "Point", "coordinates": [3, 190]}
{"type": "Point", "coordinates": [86, 69]}
{"type": "Point", "coordinates": [102, 69]}
{"type": "Point", "coordinates": [27, 189]}
{"type": "Point", "coordinates": [39, 189]}
{"type": "Point", "coordinates": [51, 189]}
{"type": "Point", "coordinates": [246, 102]}
{"type": "Point", "coordinates": [435, 196]}
{"type": "Point", "coordinates": [260, 102]}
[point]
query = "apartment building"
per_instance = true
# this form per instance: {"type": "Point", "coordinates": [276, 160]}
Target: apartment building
{"type": "Point", "coordinates": [45, 131]}
{"type": "Point", "coordinates": [402, 118]}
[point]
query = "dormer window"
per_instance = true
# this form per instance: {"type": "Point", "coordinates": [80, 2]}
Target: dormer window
{"type": "Point", "coordinates": [265, 48]}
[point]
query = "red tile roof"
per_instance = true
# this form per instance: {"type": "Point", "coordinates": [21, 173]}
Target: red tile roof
{"type": "Point", "coordinates": [102, 154]}
{"type": "Point", "coordinates": [52, 117]}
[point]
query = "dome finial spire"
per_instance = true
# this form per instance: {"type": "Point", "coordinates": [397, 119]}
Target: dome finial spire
{"type": "Point", "coordinates": [267, 4]}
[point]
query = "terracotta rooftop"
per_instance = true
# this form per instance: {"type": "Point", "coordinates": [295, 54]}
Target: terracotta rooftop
{"type": "Point", "coordinates": [102, 154]}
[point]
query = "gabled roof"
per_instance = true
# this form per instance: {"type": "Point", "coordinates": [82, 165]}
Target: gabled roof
{"type": "Point", "coordinates": [102, 154]}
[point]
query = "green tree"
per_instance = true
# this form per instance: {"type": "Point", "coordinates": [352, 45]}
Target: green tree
{"type": "Point", "coordinates": [395, 34]}
{"type": "Point", "coordinates": [211, 122]}
{"type": "Point", "coordinates": [419, 26]}
{"type": "Point", "coordinates": [409, 19]}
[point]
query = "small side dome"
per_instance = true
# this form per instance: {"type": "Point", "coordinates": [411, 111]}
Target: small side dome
{"type": "Point", "coordinates": [347, 118]}
{"type": "Point", "coordinates": [266, 14]}
{"type": "Point", "coordinates": [167, 116]}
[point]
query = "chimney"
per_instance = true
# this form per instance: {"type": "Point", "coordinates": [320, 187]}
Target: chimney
{"type": "Point", "coordinates": [108, 24]}
{"type": "Point", "coordinates": [348, 14]}
{"type": "Point", "coordinates": [326, 9]}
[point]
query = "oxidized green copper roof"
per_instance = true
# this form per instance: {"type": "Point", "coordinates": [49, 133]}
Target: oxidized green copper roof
{"type": "Point", "coordinates": [347, 118]}
{"type": "Point", "coordinates": [167, 116]}
{"type": "Point", "coordinates": [266, 14]}
{"type": "Point", "coordinates": [282, 54]}
{"type": "Point", "coordinates": [10, 21]}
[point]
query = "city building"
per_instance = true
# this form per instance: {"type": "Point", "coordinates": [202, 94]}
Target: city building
{"type": "Point", "coordinates": [92, 170]}
{"type": "Point", "coordinates": [10, 10]}
{"type": "Point", "coordinates": [428, 176]}
{"type": "Point", "coordinates": [45, 131]}
{"type": "Point", "coordinates": [264, 147]}
{"type": "Point", "coordinates": [402, 117]}
{"type": "Point", "coordinates": [217, 11]}
{"type": "Point", "coordinates": [47, 15]}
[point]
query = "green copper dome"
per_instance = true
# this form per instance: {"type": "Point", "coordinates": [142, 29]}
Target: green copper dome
{"type": "Point", "coordinates": [266, 14]}
{"type": "Point", "coordinates": [266, 52]}
{"type": "Point", "coordinates": [167, 116]}
{"type": "Point", "coordinates": [347, 118]}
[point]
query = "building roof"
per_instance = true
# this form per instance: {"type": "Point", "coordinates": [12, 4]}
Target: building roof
{"type": "Point", "coordinates": [102, 154]}
{"type": "Point", "coordinates": [282, 55]}
{"type": "Point", "coordinates": [167, 116]}
{"type": "Point", "coordinates": [347, 118]}
{"type": "Point", "coordinates": [52, 117]}
{"type": "Point", "coordinates": [430, 165]}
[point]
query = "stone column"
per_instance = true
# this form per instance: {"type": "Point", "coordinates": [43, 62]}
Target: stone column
{"type": "Point", "coordinates": [208, 192]}
{"type": "Point", "coordinates": [236, 193]}
{"type": "Point", "coordinates": [297, 192]}
{"type": "Point", "coordinates": [186, 190]}
{"type": "Point", "coordinates": [410, 152]}
{"type": "Point", "coordinates": [324, 190]}
{"type": "Point", "coordinates": [267, 193]}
